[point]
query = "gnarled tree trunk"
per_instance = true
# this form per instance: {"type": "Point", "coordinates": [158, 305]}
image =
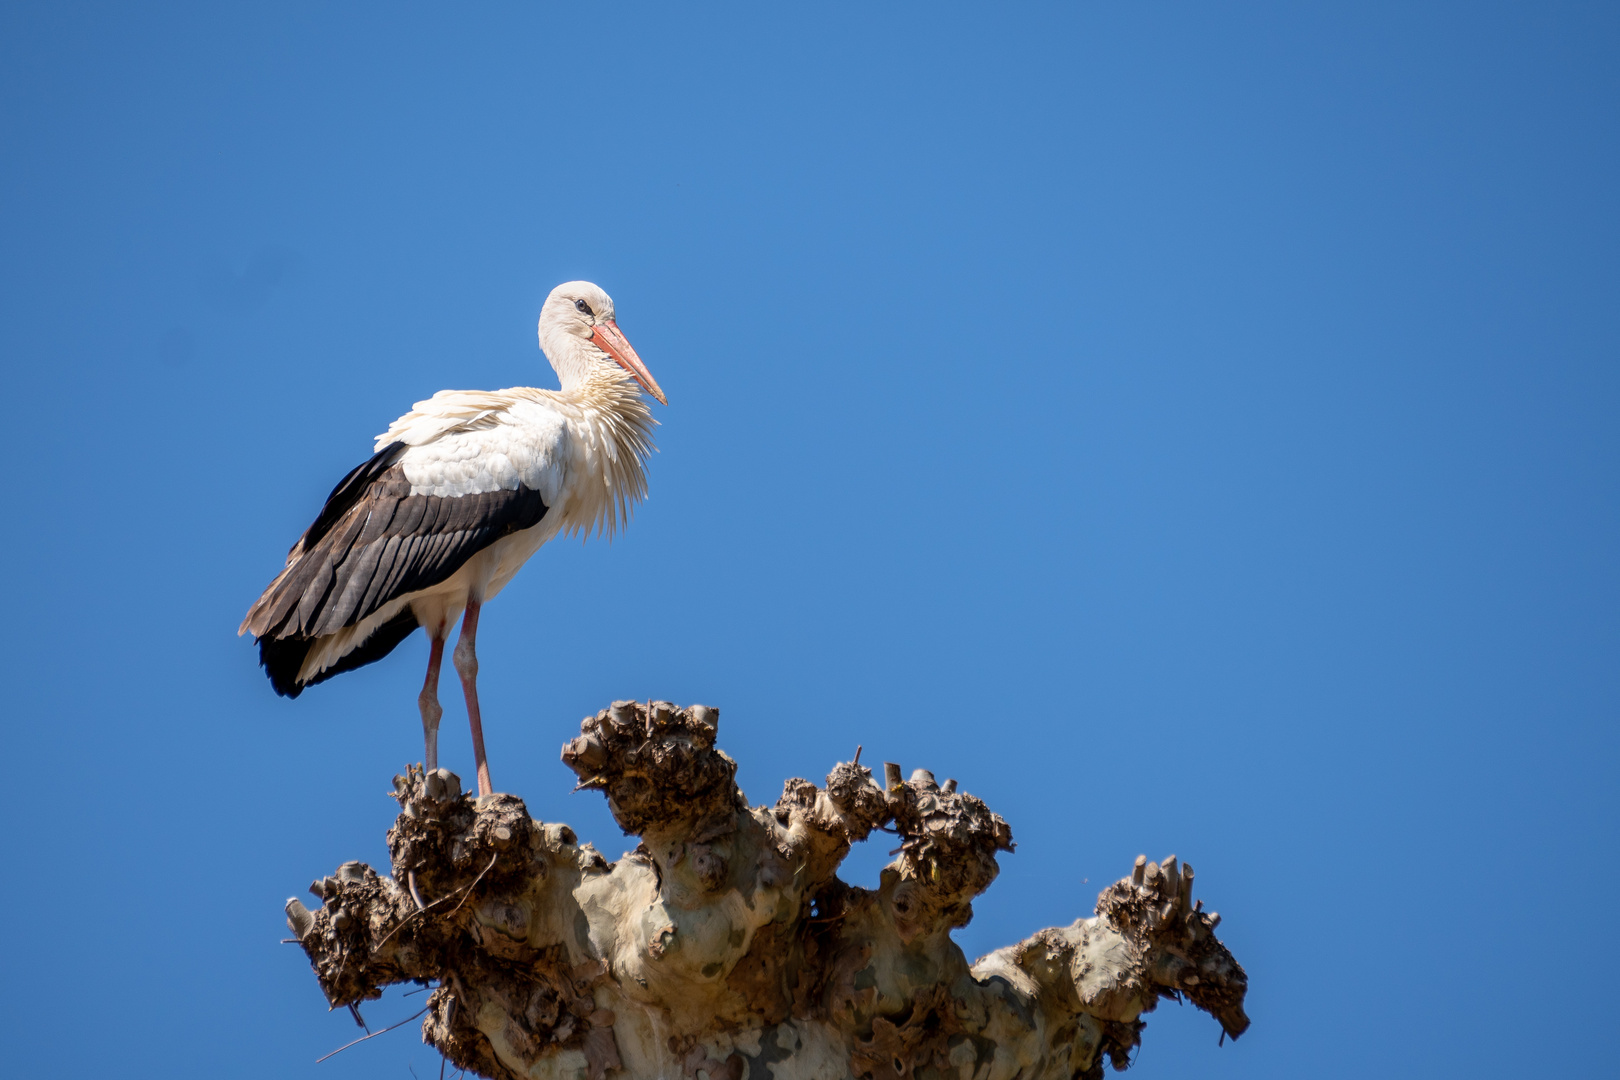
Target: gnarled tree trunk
{"type": "Point", "coordinates": [725, 945]}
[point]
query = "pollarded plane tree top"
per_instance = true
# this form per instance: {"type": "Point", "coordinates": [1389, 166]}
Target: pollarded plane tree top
{"type": "Point", "coordinates": [725, 946]}
{"type": "Point", "coordinates": [460, 492]}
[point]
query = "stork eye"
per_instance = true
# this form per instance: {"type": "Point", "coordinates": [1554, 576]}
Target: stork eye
{"type": "Point", "coordinates": [584, 307]}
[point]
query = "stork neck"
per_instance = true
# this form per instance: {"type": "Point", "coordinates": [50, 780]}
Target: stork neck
{"type": "Point", "coordinates": [573, 359]}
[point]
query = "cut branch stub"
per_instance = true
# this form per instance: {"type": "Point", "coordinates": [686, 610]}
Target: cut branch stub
{"type": "Point", "coordinates": [949, 842]}
{"type": "Point", "coordinates": [1187, 957]}
{"type": "Point", "coordinates": [656, 763]}
{"type": "Point", "coordinates": [725, 946]}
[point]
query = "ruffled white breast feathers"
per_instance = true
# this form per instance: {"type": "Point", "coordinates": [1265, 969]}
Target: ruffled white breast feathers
{"type": "Point", "coordinates": [585, 451]}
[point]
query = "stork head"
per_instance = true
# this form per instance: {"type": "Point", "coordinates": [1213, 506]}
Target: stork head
{"type": "Point", "coordinates": [580, 338]}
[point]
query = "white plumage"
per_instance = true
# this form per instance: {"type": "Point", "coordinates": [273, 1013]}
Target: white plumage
{"type": "Point", "coordinates": [461, 491]}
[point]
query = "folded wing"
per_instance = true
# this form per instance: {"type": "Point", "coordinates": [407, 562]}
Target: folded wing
{"type": "Point", "coordinates": [374, 543]}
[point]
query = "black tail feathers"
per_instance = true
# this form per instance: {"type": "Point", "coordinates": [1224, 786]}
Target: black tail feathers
{"type": "Point", "coordinates": [282, 658]}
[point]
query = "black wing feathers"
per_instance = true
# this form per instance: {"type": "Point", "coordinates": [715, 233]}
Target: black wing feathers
{"type": "Point", "coordinates": [350, 490]}
{"type": "Point", "coordinates": [372, 543]}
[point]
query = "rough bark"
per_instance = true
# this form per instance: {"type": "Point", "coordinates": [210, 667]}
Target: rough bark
{"type": "Point", "coordinates": [725, 945]}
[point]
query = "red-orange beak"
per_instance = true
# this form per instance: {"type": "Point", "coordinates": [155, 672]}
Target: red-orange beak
{"type": "Point", "coordinates": [607, 338]}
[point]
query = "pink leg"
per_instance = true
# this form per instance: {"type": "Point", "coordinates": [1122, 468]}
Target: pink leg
{"type": "Point", "coordinates": [428, 699]}
{"type": "Point", "coordinates": [466, 661]}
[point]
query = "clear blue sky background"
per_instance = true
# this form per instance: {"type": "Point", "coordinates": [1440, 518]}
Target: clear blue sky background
{"type": "Point", "coordinates": [1194, 429]}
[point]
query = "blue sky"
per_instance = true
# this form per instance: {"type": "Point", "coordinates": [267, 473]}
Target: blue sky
{"type": "Point", "coordinates": [1193, 429]}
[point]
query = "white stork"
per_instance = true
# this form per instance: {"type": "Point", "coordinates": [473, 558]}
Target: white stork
{"type": "Point", "coordinates": [460, 492]}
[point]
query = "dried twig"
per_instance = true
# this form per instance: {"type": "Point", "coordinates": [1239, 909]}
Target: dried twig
{"type": "Point", "coordinates": [402, 923]}
{"type": "Point", "coordinates": [416, 894]}
{"type": "Point", "coordinates": [475, 881]}
{"type": "Point", "coordinates": [426, 907]}
{"type": "Point", "coordinates": [373, 1035]}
